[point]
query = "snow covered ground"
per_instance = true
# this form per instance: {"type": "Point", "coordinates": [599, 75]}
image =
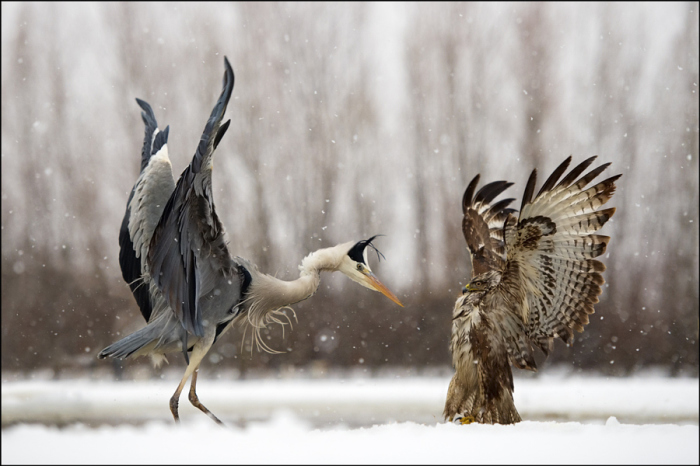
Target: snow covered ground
{"type": "Point", "coordinates": [351, 420]}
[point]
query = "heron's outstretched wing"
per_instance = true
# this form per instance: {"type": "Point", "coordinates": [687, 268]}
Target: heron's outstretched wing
{"type": "Point", "coordinates": [144, 208]}
{"type": "Point", "coordinates": [188, 245]}
{"type": "Point", "coordinates": [482, 225]}
{"type": "Point", "coordinates": [550, 264]}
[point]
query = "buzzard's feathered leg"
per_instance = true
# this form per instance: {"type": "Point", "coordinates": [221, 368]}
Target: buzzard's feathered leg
{"type": "Point", "coordinates": [482, 387]}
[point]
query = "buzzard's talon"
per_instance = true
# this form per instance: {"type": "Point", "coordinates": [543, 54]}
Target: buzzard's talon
{"type": "Point", "coordinates": [463, 420]}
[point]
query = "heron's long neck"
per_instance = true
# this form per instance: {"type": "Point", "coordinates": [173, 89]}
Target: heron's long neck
{"type": "Point", "coordinates": [305, 286]}
{"type": "Point", "coordinates": [283, 293]}
{"type": "Point", "coordinates": [268, 293]}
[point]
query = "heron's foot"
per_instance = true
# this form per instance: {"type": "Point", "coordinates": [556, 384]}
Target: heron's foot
{"type": "Point", "coordinates": [174, 402]}
{"type": "Point", "coordinates": [197, 404]}
{"type": "Point", "coordinates": [463, 420]}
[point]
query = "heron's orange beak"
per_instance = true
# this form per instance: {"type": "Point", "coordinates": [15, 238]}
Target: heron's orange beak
{"type": "Point", "coordinates": [379, 286]}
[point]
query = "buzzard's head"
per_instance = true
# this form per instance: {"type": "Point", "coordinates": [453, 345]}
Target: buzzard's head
{"type": "Point", "coordinates": [474, 291]}
{"type": "Point", "coordinates": [482, 283]}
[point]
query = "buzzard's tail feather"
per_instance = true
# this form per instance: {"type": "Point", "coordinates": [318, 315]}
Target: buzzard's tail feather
{"type": "Point", "coordinates": [465, 406]}
{"type": "Point", "coordinates": [503, 412]}
{"type": "Point", "coordinates": [500, 411]}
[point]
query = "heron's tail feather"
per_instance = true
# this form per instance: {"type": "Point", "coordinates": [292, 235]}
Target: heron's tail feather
{"type": "Point", "coordinates": [160, 336]}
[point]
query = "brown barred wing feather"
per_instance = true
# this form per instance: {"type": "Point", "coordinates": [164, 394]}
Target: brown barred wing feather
{"type": "Point", "coordinates": [550, 263]}
{"type": "Point", "coordinates": [482, 225]}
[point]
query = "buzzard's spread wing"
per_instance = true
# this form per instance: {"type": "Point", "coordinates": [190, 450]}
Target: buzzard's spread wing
{"type": "Point", "coordinates": [550, 265]}
{"type": "Point", "coordinates": [482, 225]}
{"type": "Point", "coordinates": [534, 278]}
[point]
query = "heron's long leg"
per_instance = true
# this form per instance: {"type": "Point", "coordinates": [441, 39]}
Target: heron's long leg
{"type": "Point", "coordinates": [195, 401]}
{"type": "Point", "coordinates": [175, 399]}
{"type": "Point", "coordinates": [198, 352]}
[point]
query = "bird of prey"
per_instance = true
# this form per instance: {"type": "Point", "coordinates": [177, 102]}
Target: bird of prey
{"type": "Point", "coordinates": [174, 255]}
{"type": "Point", "coordinates": [534, 278]}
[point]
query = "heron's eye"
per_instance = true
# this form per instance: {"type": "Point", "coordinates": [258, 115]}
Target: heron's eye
{"type": "Point", "coordinates": [359, 267]}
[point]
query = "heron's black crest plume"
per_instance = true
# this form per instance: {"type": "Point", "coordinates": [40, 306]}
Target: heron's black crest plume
{"type": "Point", "coordinates": [356, 252]}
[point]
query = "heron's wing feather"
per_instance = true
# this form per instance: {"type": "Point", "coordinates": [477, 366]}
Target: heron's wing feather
{"type": "Point", "coordinates": [551, 276]}
{"type": "Point", "coordinates": [482, 225]}
{"type": "Point", "coordinates": [214, 130]}
{"type": "Point", "coordinates": [151, 128]}
{"type": "Point", "coordinates": [131, 265]}
{"type": "Point", "coordinates": [144, 207]}
{"type": "Point", "coordinates": [151, 193]}
{"type": "Point", "coordinates": [188, 250]}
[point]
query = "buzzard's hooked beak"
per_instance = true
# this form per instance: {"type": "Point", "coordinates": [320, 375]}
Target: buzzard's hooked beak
{"type": "Point", "coordinates": [470, 287]}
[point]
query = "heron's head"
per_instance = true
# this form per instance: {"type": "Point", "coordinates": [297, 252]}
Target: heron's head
{"type": "Point", "coordinates": [354, 264]}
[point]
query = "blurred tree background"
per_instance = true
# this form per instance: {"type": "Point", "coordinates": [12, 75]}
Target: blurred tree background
{"type": "Point", "coordinates": [348, 120]}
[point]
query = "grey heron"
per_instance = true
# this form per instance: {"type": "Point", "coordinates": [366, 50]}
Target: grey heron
{"type": "Point", "coordinates": [175, 257]}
